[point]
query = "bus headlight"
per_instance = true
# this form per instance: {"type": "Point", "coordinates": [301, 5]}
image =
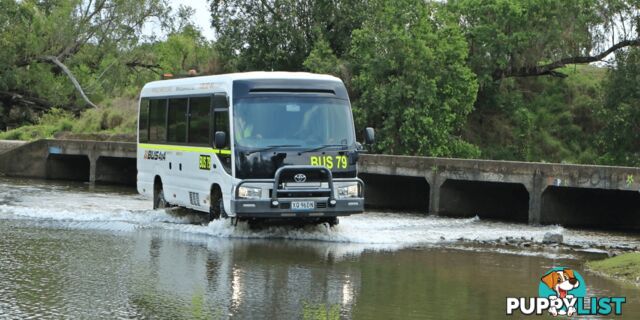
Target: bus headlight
{"type": "Point", "coordinates": [349, 191]}
{"type": "Point", "coordinates": [249, 192]}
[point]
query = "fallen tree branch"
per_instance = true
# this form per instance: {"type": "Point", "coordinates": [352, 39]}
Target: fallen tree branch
{"type": "Point", "coordinates": [21, 98]}
{"type": "Point", "coordinates": [71, 77]}
{"type": "Point", "coordinates": [152, 67]}
{"type": "Point", "coordinates": [549, 69]}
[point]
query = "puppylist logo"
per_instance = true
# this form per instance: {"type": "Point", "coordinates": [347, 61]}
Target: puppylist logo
{"type": "Point", "coordinates": [562, 291]}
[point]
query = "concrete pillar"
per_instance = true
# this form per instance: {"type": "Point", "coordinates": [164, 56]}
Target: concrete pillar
{"type": "Point", "coordinates": [435, 182]}
{"type": "Point", "coordinates": [535, 198]}
{"type": "Point", "coordinates": [93, 164]}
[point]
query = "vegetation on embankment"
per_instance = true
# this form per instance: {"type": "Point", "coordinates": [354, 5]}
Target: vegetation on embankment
{"type": "Point", "coordinates": [624, 267]}
{"type": "Point", "coordinates": [498, 79]}
{"type": "Point", "coordinates": [116, 120]}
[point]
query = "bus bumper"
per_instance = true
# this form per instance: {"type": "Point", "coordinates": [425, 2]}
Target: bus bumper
{"type": "Point", "coordinates": [288, 201]}
{"type": "Point", "coordinates": [265, 209]}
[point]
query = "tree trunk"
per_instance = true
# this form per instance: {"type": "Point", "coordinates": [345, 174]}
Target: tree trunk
{"type": "Point", "coordinates": [71, 77]}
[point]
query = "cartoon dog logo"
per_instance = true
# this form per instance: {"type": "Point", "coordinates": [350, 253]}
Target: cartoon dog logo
{"type": "Point", "coordinates": [561, 281]}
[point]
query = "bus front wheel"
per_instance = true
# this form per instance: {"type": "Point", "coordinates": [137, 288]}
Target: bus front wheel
{"type": "Point", "coordinates": [333, 221]}
{"type": "Point", "coordinates": [216, 211]}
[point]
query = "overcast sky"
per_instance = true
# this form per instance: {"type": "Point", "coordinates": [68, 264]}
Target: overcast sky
{"type": "Point", "coordinates": [202, 17]}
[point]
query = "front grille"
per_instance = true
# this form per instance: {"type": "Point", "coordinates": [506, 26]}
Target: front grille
{"type": "Point", "coordinates": [313, 182]}
{"type": "Point", "coordinates": [284, 193]}
{"type": "Point", "coordinates": [312, 175]}
{"type": "Point", "coordinates": [321, 205]}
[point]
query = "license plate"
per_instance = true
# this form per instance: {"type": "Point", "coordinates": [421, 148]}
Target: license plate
{"type": "Point", "coordinates": [303, 205]}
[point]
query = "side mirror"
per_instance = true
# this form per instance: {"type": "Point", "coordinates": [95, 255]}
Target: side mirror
{"type": "Point", "coordinates": [220, 140]}
{"type": "Point", "coordinates": [369, 136]}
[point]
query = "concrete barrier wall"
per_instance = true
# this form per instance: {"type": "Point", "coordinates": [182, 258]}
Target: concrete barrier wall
{"type": "Point", "coordinates": [27, 161]}
{"type": "Point", "coordinates": [112, 162]}
{"type": "Point", "coordinates": [6, 145]}
{"type": "Point", "coordinates": [540, 193]}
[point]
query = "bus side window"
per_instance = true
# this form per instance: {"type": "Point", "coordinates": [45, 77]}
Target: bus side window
{"type": "Point", "coordinates": [221, 115]}
{"type": "Point", "coordinates": [157, 120]}
{"type": "Point", "coordinates": [143, 121]}
{"type": "Point", "coordinates": [220, 101]}
{"type": "Point", "coordinates": [177, 123]}
{"type": "Point", "coordinates": [199, 124]}
{"type": "Point", "coordinates": [221, 123]}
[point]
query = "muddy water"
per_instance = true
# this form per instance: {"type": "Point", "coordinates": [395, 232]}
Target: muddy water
{"type": "Point", "coordinates": [80, 251]}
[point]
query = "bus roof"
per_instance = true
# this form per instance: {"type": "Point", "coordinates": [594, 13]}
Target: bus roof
{"type": "Point", "coordinates": [195, 85]}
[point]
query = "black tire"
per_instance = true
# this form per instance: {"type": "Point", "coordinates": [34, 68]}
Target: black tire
{"type": "Point", "coordinates": [223, 213]}
{"type": "Point", "coordinates": [159, 201]}
{"type": "Point", "coordinates": [333, 221]}
{"type": "Point", "coordinates": [216, 211]}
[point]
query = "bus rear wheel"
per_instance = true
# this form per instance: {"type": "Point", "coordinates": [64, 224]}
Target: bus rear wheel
{"type": "Point", "coordinates": [160, 202]}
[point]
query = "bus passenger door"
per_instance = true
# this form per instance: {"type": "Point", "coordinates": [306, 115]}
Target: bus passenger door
{"type": "Point", "coordinates": [222, 167]}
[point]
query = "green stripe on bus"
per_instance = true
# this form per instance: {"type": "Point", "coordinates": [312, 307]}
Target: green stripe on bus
{"type": "Point", "coordinates": [183, 148]}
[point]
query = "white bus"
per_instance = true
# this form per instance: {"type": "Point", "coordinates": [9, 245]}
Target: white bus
{"type": "Point", "coordinates": [251, 146]}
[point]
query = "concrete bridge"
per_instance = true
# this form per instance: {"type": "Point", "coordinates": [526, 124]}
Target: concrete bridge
{"type": "Point", "coordinates": [94, 161]}
{"type": "Point", "coordinates": [537, 193]}
{"type": "Point", "coordinates": [6, 145]}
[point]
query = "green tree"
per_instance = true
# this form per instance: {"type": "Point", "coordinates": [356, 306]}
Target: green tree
{"type": "Point", "coordinates": [541, 118]}
{"type": "Point", "coordinates": [621, 134]}
{"type": "Point", "coordinates": [184, 50]}
{"type": "Point", "coordinates": [509, 38]}
{"type": "Point", "coordinates": [520, 115]}
{"type": "Point", "coordinates": [280, 34]}
{"type": "Point", "coordinates": [411, 79]}
{"type": "Point", "coordinates": [54, 50]}
{"type": "Point", "coordinates": [322, 59]}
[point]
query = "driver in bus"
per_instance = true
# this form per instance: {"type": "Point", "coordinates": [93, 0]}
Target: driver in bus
{"type": "Point", "coordinates": [244, 131]}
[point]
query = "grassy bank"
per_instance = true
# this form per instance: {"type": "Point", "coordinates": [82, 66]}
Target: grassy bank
{"type": "Point", "coordinates": [625, 267]}
{"type": "Point", "coordinates": [114, 120]}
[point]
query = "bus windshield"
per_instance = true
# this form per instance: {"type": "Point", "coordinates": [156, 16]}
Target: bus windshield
{"type": "Point", "coordinates": [292, 121]}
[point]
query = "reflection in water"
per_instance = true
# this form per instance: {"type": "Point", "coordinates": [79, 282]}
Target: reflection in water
{"type": "Point", "coordinates": [236, 289]}
{"type": "Point", "coordinates": [347, 292]}
{"type": "Point", "coordinates": [72, 253]}
{"type": "Point", "coordinates": [238, 278]}
{"type": "Point", "coordinates": [73, 273]}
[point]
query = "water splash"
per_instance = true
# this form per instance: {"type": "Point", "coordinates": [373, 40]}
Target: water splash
{"type": "Point", "coordinates": [64, 207]}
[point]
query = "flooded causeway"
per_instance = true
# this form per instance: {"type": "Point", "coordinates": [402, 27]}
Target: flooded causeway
{"type": "Point", "coordinates": [80, 251]}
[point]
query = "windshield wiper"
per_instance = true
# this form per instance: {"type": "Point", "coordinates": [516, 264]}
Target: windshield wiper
{"type": "Point", "coordinates": [267, 148]}
{"type": "Point", "coordinates": [344, 146]}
